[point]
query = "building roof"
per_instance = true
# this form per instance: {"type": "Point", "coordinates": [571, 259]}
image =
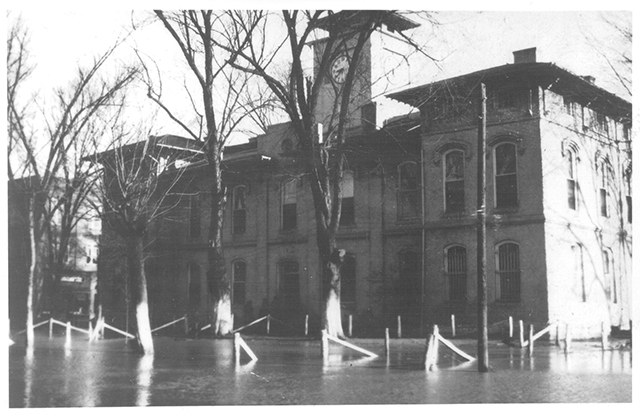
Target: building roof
{"type": "Point", "coordinates": [349, 19]}
{"type": "Point", "coordinates": [546, 75]}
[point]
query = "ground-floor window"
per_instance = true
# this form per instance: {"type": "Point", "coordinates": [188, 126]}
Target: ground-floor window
{"type": "Point", "coordinates": [508, 271]}
{"type": "Point", "coordinates": [289, 284]}
{"type": "Point", "coordinates": [238, 287]}
{"type": "Point", "coordinates": [348, 280]}
{"type": "Point", "coordinates": [455, 266]}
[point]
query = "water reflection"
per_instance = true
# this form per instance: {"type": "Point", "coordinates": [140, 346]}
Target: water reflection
{"type": "Point", "coordinates": [144, 379]}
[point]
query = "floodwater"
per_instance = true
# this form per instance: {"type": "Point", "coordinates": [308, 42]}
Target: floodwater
{"type": "Point", "coordinates": [290, 371]}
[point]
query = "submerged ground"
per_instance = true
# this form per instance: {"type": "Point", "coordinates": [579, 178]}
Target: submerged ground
{"type": "Point", "coordinates": [292, 371]}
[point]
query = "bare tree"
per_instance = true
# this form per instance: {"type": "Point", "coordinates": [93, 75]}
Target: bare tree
{"type": "Point", "coordinates": [221, 106]}
{"type": "Point", "coordinates": [43, 138]}
{"type": "Point", "coordinates": [138, 179]}
{"type": "Point", "coordinates": [323, 157]}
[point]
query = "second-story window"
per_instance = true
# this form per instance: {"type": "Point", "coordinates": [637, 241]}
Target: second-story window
{"type": "Point", "coordinates": [454, 181]}
{"type": "Point", "coordinates": [239, 210]}
{"type": "Point", "coordinates": [347, 216]}
{"type": "Point", "coordinates": [603, 182]}
{"type": "Point", "coordinates": [289, 204]}
{"type": "Point", "coordinates": [572, 181]}
{"type": "Point", "coordinates": [408, 180]}
{"type": "Point", "coordinates": [505, 176]}
{"type": "Point", "coordinates": [194, 216]}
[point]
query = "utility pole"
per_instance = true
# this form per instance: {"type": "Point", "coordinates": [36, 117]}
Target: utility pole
{"type": "Point", "coordinates": [483, 336]}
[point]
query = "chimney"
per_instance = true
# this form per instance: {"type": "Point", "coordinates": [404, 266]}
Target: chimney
{"type": "Point", "coordinates": [525, 56]}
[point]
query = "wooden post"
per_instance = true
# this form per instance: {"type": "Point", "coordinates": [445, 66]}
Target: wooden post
{"type": "Point", "coordinates": [102, 327]}
{"type": "Point", "coordinates": [236, 347]}
{"type": "Point", "coordinates": [521, 333]}
{"type": "Point", "coordinates": [268, 323]}
{"type": "Point", "coordinates": [481, 235]}
{"type": "Point", "coordinates": [453, 325]}
{"type": "Point", "coordinates": [530, 340]}
{"type": "Point", "coordinates": [605, 341]}
{"type": "Point", "coordinates": [567, 339]}
{"type": "Point", "coordinates": [350, 325]}
{"type": "Point", "coordinates": [90, 331]}
{"type": "Point", "coordinates": [386, 342]}
{"type": "Point", "coordinates": [306, 325]}
{"type": "Point", "coordinates": [50, 328]}
{"type": "Point", "coordinates": [67, 343]}
{"type": "Point", "coordinates": [186, 326]}
{"type": "Point", "coordinates": [232, 318]}
{"type": "Point", "coordinates": [558, 334]}
{"type": "Point", "coordinates": [510, 327]}
{"type": "Point", "coordinates": [324, 345]}
{"type": "Point", "coordinates": [431, 352]}
{"type": "Point", "coordinates": [399, 327]}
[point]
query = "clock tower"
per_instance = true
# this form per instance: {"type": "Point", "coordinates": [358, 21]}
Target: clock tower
{"type": "Point", "coordinates": [343, 29]}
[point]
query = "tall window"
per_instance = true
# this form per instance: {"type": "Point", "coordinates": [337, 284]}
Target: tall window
{"type": "Point", "coordinates": [347, 215]}
{"type": "Point", "coordinates": [239, 286]}
{"type": "Point", "coordinates": [289, 284]}
{"type": "Point", "coordinates": [348, 280]}
{"type": "Point", "coordinates": [454, 181]}
{"type": "Point", "coordinates": [572, 183]}
{"type": "Point", "coordinates": [289, 204]}
{"type": "Point", "coordinates": [408, 180]}
{"type": "Point", "coordinates": [578, 263]}
{"type": "Point", "coordinates": [627, 185]}
{"type": "Point", "coordinates": [239, 210]}
{"type": "Point", "coordinates": [455, 267]}
{"type": "Point", "coordinates": [508, 271]}
{"type": "Point", "coordinates": [607, 263]}
{"type": "Point", "coordinates": [505, 176]}
{"type": "Point", "coordinates": [194, 286]}
{"type": "Point", "coordinates": [603, 181]}
{"type": "Point", "coordinates": [194, 216]}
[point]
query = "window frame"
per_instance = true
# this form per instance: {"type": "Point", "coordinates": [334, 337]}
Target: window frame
{"type": "Point", "coordinates": [238, 214]}
{"type": "Point", "coordinates": [448, 208]}
{"type": "Point", "coordinates": [573, 189]}
{"type": "Point", "coordinates": [288, 218]}
{"type": "Point", "coordinates": [604, 179]}
{"type": "Point", "coordinates": [513, 294]}
{"type": "Point", "coordinates": [408, 193]}
{"type": "Point", "coordinates": [503, 176]}
{"type": "Point", "coordinates": [450, 274]}
{"type": "Point", "coordinates": [235, 282]}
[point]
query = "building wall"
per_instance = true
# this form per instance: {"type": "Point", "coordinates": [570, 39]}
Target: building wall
{"type": "Point", "coordinates": [581, 291]}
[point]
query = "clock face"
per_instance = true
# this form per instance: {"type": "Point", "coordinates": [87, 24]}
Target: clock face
{"type": "Point", "coordinates": [339, 69]}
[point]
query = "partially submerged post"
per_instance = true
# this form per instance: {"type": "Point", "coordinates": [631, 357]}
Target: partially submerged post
{"type": "Point", "coordinates": [530, 340]}
{"type": "Point", "coordinates": [567, 339]}
{"type": "Point", "coordinates": [236, 347]}
{"type": "Point", "coordinates": [510, 328]}
{"type": "Point", "coordinates": [399, 326]}
{"type": "Point", "coordinates": [186, 326]}
{"type": "Point", "coordinates": [453, 325]}
{"type": "Point", "coordinates": [268, 323]}
{"type": "Point", "coordinates": [386, 342]}
{"type": "Point", "coordinates": [67, 343]}
{"type": "Point", "coordinates": [51, 328]}
{"type": "Point", "coordinates": [431, 352]}
{"type": "Point", "coordinates": [605, 339]}
{"type": "Point", "coordinates": [306, 325]}
{"type": "Point", "coordinates": [521, 333]}
{"type": "Point", "coordinates": [324, 345]}
{"type": "Point", "coordinates": [350, 325]}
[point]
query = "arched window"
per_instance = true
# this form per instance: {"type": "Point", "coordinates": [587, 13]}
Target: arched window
{"type": "Point", "coordinates": [289, 283]}
{"type": "Point", "coordinates": [194, 286]}
{"type": "Point", "coordinates": [347, 215]}
{"type": "Point", "coordinates": [408, 181]}
{"type": "Point", "coordinates": [572, 180]}
{"type": "Point", "coordinates": [603, 182]}
{"type": "Point", "coordinates": [239, 211]}
{"type": "Point", "coordinates": [239, 284]}
{"type": "Point", "coordinates": [289, 204]}
{"type": "Point", "coordinates": [508, 271]}
{"type": "Point", "coordinates": [348, 280]}
{"type": "Point", "coordinates": [194, 215]}
{"type": "Point", "coordinates": [453, 171]}
{"type": "Point", "coordinates": [505, 176]}
{"type": "Point", "coordinates": [455, 268]}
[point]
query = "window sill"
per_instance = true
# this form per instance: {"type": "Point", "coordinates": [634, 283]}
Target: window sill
{"type": "Point", "coordinates": [507, 303]}
{"type": "Point", "coordinates": [505, 210]}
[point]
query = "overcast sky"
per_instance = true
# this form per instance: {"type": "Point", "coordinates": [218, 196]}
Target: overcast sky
{"type": "Point", "coordinates": [464, 41]}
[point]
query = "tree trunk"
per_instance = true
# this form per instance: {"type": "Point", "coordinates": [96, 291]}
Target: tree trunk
{"type": "Point", "coordinates": [32, 275]}
{"type": "Point", "coordinates": [139, 293]}
{"type": "Point", "coordinates": [332, 317]}
{"type": "Point", "coordinates": [217, 279]}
